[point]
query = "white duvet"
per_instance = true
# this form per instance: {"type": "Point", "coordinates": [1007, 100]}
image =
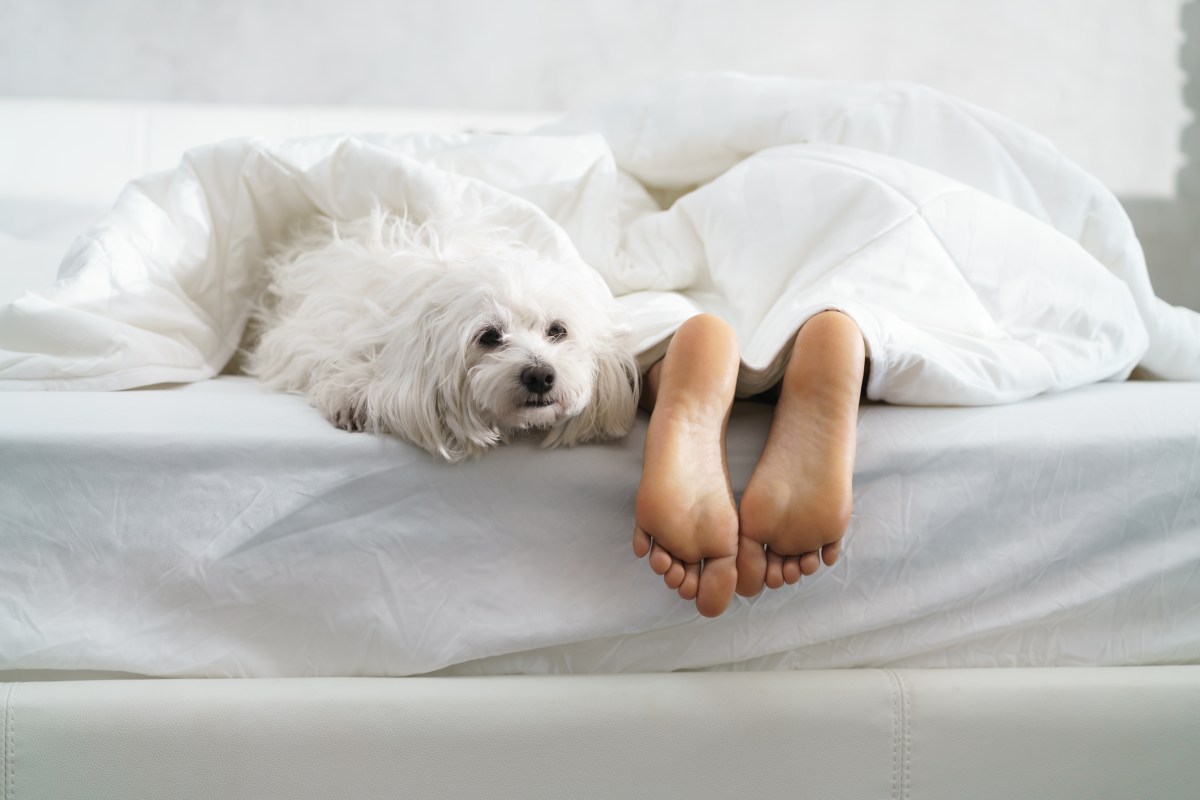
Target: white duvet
{"type": "Point", "coordinates": [982, 266]}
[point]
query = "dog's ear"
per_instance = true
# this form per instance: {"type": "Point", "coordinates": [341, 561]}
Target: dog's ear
{"type": "Point", "coordinates": [404, 402]}
{"type": "Point", "coordinates": [422, 398]}
{"type": "Point", "coordinates": [611, 412]}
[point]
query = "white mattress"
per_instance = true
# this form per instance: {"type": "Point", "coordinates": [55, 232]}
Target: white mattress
{"type": "Point", "coordinates": [217, 530]}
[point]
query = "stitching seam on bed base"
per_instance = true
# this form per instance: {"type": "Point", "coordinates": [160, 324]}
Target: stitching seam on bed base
{"type": "Point", "coordinates": [894, 688]}
{"type": "Point", "coordinates": [901, 735]}
{"type": "Point", "coordinates": [906, 710]}
{"type": "Point", "coordinates": [9, 747]}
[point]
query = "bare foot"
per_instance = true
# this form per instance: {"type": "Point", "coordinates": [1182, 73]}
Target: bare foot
{"type": "Point", "coordinates": [797, 503]}
{"type": "Point", "coordinates": [686, 518]}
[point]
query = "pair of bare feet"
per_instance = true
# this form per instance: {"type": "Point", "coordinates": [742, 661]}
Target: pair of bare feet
{"type": "Point", "coordinates": [797, 504]}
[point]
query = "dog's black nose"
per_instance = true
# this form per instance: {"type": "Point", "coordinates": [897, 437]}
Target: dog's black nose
{"type": "Point", "coordinates": [538, 380]}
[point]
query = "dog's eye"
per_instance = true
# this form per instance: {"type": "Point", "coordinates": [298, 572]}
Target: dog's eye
{"type": "Point", "coordinates": [556, 332]}
{"type": "Point", "coordinates": [490, 337]}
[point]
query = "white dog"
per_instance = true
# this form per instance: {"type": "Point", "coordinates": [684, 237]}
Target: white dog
{"type": "Point", "coordinates": [450, 335]}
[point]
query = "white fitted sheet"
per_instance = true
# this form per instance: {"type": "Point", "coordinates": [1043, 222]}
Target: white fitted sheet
{"type": "Point", "coordinates": [218, 530]}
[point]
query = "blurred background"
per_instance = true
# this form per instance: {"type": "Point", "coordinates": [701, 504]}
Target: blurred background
{"type": "Point", "coordinates": [1106, 80]}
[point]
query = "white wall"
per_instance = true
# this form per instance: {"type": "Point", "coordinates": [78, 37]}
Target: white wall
{"type": "Point", "coordinates": [1100, 77]}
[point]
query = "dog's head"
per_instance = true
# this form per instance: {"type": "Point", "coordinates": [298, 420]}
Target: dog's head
{"type": "Point", "coordinates": [501, 340]}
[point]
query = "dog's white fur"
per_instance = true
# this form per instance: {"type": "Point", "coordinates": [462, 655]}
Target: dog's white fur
{"type": "Point", "coordinates": [391, 327]}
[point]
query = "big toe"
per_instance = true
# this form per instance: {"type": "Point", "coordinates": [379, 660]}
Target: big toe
{"type": "Point", "coordinates": [718, 577]}
{"type": "Point", "coordinates": [751, 567]}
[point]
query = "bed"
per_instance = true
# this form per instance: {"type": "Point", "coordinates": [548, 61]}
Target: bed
{"type": "Point", "coordinates": [301, 573]}
{"type": "Point", "coordinates": [1017, 612]}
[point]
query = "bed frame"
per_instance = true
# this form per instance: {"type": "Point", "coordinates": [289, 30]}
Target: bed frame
{"type": "Point", "coordinates": [921, 734]}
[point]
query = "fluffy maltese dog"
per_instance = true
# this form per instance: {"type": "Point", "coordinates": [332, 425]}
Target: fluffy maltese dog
{"type": "Point", "coordinates": [452, 335]}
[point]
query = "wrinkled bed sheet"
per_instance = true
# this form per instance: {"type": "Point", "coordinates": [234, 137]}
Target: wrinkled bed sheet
{"type": "Point", "coordinates": [218, 530]}
{"type": "Point", "coordinates": [981, 265]}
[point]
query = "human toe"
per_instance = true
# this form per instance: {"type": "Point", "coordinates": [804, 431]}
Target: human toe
{"type": "Point", "coordinates": [718, 576]}
{"type": "Point", "coordinates": [641, 542]}
{"type": "Point", "coordinates": [751, 567]}
{"type": "Point", "coordinates": [691, 581]}
{"type": "Point", "coordinates": [774, 570]}
{"type": "Point", "coordinates": [660, 559]}
{"type": "Point", "coordinates": [674, 574]}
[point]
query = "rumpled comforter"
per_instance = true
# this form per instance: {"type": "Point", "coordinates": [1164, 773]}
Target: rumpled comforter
{"type": "Point", "coordinates": [981, 265]}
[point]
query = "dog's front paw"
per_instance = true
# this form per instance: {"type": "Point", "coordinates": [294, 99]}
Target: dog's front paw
{"type": "Point", "coordinates": [350, 418]}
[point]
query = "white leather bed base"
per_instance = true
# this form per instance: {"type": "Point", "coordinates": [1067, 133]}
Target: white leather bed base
{"type": "Point", "coordinates": [900, 734]}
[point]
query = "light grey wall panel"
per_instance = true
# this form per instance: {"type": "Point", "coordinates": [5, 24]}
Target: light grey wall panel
{"type": "Point", "coordinates": [1100, 77]}
{"type": "Point", "coordinates": [1170, 227]}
